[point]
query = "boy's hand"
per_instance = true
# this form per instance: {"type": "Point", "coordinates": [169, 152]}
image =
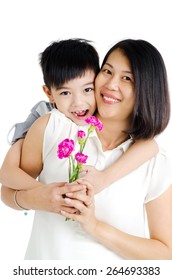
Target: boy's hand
{"type": "Point", "coordinates": [97, 178]}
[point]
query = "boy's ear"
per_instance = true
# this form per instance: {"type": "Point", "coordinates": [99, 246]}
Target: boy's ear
{"type": "Point", "coordinates": [48, 93]}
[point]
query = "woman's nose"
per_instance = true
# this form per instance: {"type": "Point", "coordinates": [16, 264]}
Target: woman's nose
{"type": "Point", "coordinates": [112, 84]}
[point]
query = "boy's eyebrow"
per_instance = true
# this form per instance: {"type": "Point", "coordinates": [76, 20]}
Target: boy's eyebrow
{"type": "Point", "coordinates": [65, 87]}
{"type": "Point", "coordinates": [89, 83]}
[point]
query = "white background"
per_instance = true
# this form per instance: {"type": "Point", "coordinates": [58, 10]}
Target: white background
{"type": "Point", "coordinates": [27, 27]}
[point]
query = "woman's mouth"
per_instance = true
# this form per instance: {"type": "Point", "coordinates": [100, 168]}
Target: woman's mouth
{"type": "Point", "coordinates": [110, 99]}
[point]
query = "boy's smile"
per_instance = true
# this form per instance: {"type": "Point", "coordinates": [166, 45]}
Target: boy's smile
{"type": "Point", "coordinates": [75, 99]}
{"type": "Point", "coordinates": [81, 114]}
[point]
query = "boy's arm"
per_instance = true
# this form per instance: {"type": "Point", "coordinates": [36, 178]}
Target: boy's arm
{"type": "Point", "coordinates": [31, 158]}
{"type": "Point", "coordinates": [140, 152]}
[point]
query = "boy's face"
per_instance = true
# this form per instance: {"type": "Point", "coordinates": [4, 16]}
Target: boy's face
{"type": "Point", "coordinates": [75, 99]}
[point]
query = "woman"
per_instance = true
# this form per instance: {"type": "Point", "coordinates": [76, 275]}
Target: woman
{"type": "Point", "coordinates": [133, 103]}
{"type": "Point", "coordinates": [131, 78]}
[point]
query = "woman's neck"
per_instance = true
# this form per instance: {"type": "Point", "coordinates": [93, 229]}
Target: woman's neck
{"type": "Point", "coordinates": [112, 134]}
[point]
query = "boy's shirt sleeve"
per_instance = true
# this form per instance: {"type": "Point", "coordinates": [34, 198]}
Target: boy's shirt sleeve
{"type": "Point", "coordinates": [20, 129]}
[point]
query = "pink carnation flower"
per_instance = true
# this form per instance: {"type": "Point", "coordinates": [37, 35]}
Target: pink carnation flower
{"type": "Point", "coordinates": [81, 134]}
{"type": "Point", "coordinates": [81, 158]}
{"type": "Point", "coordinates": [95, 122]}
{"type": "Point", "coordinates": [65, 148]}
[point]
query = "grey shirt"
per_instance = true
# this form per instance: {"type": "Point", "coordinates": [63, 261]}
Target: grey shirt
{"type": "Point", "coordinates": [20, 129]}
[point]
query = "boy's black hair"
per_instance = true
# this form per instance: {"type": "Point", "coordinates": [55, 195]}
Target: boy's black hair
{"type": "Point", "coordinates": [152, 106]}
{"type": "Point", "coordinates": [67, 59]}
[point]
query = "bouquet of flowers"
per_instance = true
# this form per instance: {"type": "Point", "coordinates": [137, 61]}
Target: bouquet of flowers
{"type": "Point", "coordinates": [66, 147]}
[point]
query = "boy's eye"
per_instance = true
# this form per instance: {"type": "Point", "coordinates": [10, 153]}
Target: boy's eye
{"type": "Point", "coordinates": [65, 93]}
{"type": "Point", "coordinates": [88, 90]}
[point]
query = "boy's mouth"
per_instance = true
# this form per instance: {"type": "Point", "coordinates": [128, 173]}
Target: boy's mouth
{"type": "Point", "coordinates": [81, 113]}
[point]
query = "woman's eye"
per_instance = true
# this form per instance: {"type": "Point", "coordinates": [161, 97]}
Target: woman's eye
{"type": "Point", "coordinates": [106, 71]}
{"type": "Point", "coordinates": [127, 78]}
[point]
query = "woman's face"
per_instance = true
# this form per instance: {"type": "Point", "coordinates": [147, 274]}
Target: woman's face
{"type": "Point", "coordinates": [115, 93]}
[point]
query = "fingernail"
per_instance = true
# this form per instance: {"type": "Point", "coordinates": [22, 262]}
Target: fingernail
{"type": "Point", "coordinates": [69, 194]}
{"type": "Point", "coordinates": [67, 200]}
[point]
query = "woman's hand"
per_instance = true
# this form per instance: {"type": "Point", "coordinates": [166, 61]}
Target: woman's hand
{"type": "Point", "coordinates": [50, 197]}
{"type": "Point", "coordinates": [84, 203]}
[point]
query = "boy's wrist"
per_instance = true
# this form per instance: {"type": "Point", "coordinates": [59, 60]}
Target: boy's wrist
{"type": "Point", "coordinates": [107, 177]}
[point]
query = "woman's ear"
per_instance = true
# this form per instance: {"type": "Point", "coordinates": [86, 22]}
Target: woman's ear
{"type": "Point", "coordinates": [48, 93]}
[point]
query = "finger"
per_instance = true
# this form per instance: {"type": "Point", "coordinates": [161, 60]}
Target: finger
{"type": "Point", "coordinates": [86, 168]}
{"type": "Point", "coordinates": [70, 210]}
{"type": "Point", "coordinates": [71, 188]}
{"type": "Point", "coordinates": [76, 199]}
{"type": "Point", "coordinates": [76, 183]}
{"type": "Point", "coordinates": [79, 205]}
{"type": "Point", "coordinates": [71, 183]}
{"type": "Point", "coordinates": [89, 186]}
{"type": "Point", "coordinates": [70, 216]}
{"type": "Point", "coordinates": [85, 182]}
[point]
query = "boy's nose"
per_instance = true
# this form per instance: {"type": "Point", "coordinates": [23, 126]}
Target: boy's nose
{"type": "Point", "coordinates": [77, 100]}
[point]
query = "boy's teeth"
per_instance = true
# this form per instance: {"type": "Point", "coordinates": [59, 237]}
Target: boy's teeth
{"type": "Point", "coordinates": [80, 113]}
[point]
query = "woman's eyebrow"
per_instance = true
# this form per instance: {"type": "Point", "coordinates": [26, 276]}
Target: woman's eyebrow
{"type": "Point", "coordinates": [110, 65]}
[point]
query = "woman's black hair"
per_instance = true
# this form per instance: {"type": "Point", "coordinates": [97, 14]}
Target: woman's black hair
{"type": "Point", "coordinates": [64, 60]}
{"type": "Point", "coordinates": [152, 106]}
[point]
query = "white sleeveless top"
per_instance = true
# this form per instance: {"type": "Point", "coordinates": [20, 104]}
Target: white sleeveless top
{"type": "Point", "coordinates": [120, 205]}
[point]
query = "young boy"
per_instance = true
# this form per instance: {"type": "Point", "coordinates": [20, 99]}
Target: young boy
{"type": "Point", "coordinates": [69, 68]}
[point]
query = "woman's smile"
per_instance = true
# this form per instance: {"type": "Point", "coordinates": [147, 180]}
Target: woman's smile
{"type": "Point", "coordinates": [110, 99]}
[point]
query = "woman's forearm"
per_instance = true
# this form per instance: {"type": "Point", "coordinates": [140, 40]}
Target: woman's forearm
{"type": "Point", "coordinates": [17, 179]}
{"type": "Point", "coordinates": [7, 196]}
{"type": "Point", "coordinates": [129, 246]}
{"type": "Point", "coordinates": [11, 175]}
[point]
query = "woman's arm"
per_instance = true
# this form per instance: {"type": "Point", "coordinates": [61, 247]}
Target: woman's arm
{"type": "Point", "coordinates": [159, 212]}
{"type": "Point", "coordinates": [11, 175]}
{"type": "Point", "coordinates": [140, 152]}
{"type": "Point", "coordinates": [40, 196]}
{"type": "Point", "coordinates": [32, 194]}
{"type": "Point", "coordinates": [44, 197]}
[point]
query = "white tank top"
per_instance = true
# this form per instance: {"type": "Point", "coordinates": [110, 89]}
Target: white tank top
{"type": "Point", "coordinates": [121, 204]}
